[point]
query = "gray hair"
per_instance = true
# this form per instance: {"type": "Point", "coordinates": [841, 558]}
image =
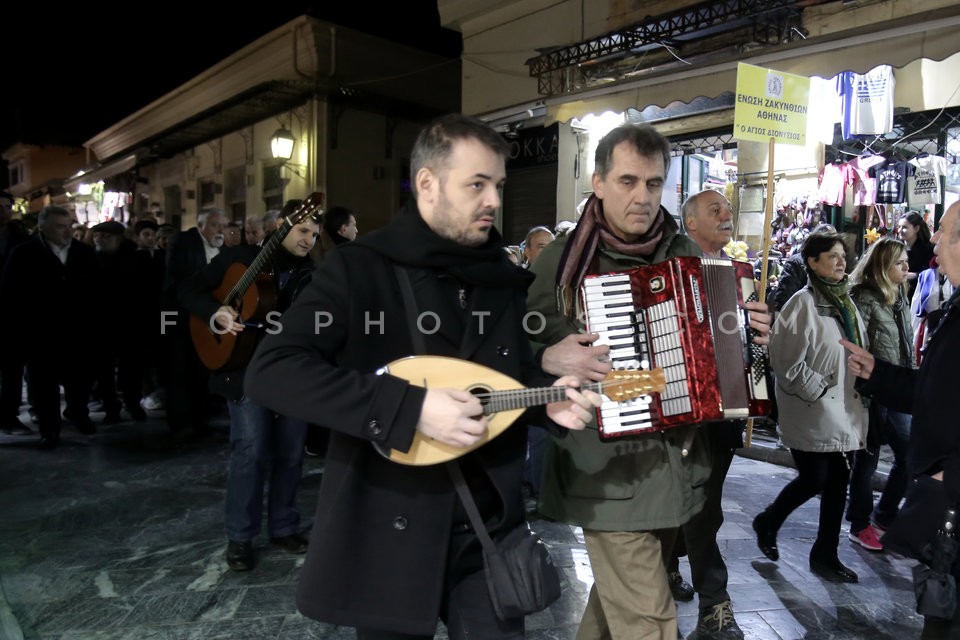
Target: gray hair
{"type": "Point", "coordinates": [51, 210]}
{"type": "Point", "coordinates": [206, 213]}
{"type": "Point", "coordinates": [648, 142]}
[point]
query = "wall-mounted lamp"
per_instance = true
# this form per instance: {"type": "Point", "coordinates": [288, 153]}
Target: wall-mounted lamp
{"type": "Point", "coordinates": [281, 144]}
{"type": "Point", "coordinates": [281, 148]}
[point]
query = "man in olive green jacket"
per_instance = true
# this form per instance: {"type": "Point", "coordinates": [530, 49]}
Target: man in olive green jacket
{"type": "Point", "coordinates": [629, 496]}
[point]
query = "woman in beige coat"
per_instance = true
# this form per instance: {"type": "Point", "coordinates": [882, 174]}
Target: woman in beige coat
{"type": "Point", "coordinates": [822, 419]}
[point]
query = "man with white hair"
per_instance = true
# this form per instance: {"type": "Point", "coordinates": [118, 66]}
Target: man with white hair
{"type": "Point", "coordinates": [708, 220]}
{"type": "Point", "coordinates": [188, 252]}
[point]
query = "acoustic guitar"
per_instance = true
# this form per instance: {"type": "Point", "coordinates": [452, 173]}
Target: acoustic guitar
{"type": "Point", "coordinates": [252, 293]}
{"type": "Point", "coordinates": [502, 397]}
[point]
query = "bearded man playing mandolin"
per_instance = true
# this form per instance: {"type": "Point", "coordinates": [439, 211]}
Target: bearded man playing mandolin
{"type": "Point", "coordinates": [235, 300]}
{"type": "Point", "coordinates": [391, 550]}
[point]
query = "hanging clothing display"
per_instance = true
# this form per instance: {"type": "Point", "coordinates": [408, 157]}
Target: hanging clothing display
{"type": "Point", "coordinates": [923, 187]}
{"type": "Point", "coordinates": [833, 183]}
{"type": "Point", "coordinates": [891, 177]}
{"type": "Point", "coordinates": [865, 185]}
{"type": "Point", "coordinates": [867, 101]}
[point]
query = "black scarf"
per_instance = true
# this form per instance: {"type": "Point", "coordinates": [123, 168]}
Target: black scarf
{"type": "Point", "coordinates": [408, 240]}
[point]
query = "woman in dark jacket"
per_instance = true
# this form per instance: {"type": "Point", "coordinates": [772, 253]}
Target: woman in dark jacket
{"type": "Point", "coordinates": [914, 231]}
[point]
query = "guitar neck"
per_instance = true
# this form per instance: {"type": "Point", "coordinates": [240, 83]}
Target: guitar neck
{"type": "Point", "coordinates": [497, 401]}
{"type": "Point", "coordinates": [250, 275]}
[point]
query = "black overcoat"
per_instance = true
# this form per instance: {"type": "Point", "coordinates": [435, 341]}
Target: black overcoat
{"type": "Point", "coordinates": [379, 542]}
{"type": "Point", "coordinates": [927, 394]}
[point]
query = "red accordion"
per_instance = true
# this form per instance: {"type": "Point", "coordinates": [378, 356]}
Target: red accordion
{"type": "Point", "coordinates": [684, 315]}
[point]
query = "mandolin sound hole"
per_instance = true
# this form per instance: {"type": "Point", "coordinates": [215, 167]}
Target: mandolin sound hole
{"type": "Point", "coordinates": [482, 392]}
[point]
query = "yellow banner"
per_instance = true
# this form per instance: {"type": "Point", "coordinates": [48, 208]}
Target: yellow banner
{"type": "Point", "coordinates": [770, 104]}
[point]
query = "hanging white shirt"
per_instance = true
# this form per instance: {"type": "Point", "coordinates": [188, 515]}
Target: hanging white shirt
{"type": "Point", "coordinates": [924, 185]}
{"type": "Point", "coordinates": [867, 101]}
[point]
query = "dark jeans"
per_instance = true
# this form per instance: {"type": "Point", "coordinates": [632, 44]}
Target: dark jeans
{"type": "Point", "coordinates": [826, 473]}
{"type": "Point", "coordinates": [895, 427]}
{"type": "Point", "coordinates": [264, 448]}
{"type": "Point", "coordinates": [468, 614]}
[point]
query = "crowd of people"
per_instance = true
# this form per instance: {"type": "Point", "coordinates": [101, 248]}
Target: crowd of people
{"type": "Point", "coordinates": [391, 549]}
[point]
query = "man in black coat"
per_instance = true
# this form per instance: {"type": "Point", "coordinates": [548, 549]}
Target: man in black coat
{"type": "Point", "coordinates": [187, 400]}
{"type": "Point", "coordinates": [927, 392]}
{"type": "Point", "coordinates": [391, 550]}
{"type": "Point", "coordinates": [50, 294]}
{"type": "Point", "coordinates": [12, 234]}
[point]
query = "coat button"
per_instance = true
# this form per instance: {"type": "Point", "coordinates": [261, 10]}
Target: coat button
{"type": "Point", "coordinates": [503, 351]}
{"type": "Point", "coordinates": [374, 427]}
{"type": "Point", "coordinates": [399, 523]}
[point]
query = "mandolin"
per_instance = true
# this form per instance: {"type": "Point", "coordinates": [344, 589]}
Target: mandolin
{"type": "Point", "coordinates": [252, 293]}
{"type": "Point", "coordinates": [503, 398]}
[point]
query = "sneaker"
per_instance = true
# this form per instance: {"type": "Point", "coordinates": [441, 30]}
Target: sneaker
{"type": "Point", "coordinates": [680, 588]}
{"type": "Point", "coordinates": [881, 529]}
{"type": "Point", "coordinates": [718, 623]}
{"type": "Point", "coordinates": [867, 538]}
{"type": "Point", "coordinates": [151, 403]}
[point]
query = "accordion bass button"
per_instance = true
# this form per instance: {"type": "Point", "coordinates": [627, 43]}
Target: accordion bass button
{"type": "Point", "coordinates": [503, 352]}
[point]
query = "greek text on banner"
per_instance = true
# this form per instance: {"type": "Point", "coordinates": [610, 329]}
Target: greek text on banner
{"type": "Point", "coordinates": [770, 104]}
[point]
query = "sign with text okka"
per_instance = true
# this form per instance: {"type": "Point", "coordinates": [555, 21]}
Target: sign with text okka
{"type": "Point", "coordinates": [770, 104]}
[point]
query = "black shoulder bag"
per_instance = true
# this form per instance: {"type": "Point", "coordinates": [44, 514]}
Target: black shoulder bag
{"type": "Point", "coordinates": [521, 576]}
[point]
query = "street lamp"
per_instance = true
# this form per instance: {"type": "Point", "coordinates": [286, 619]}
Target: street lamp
{"type": "Point", "coordinates": [281, 144]}
{"type": "Point", "coordinates": [281, 148]}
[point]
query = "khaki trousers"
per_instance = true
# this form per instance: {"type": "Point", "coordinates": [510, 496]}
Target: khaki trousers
{"type": "Point", "coordinates": [630, 598]}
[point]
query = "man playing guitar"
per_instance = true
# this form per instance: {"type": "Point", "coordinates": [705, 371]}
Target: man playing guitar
{"type": "Point", "coordinates": [263, 444]}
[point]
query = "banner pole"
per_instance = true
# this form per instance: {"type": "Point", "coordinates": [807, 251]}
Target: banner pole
{"type": "Point", "coordinates": [764, 253]}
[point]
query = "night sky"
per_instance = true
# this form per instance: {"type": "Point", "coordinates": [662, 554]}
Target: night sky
{"type": "Point", "coordinates": [72, 71]}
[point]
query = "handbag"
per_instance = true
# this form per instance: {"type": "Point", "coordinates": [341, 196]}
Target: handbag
{"type": "Point", "coordinates": [934, 584]}
{"type": "Point", "coordinates": [919, 519]}
{"type": "Point", "coordinates": [521, 577]}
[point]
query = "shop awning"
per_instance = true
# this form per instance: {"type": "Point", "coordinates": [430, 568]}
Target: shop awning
{"type": "Point", "coordinates": [101, 172]}
{"type": "Point", "coordinates": [932, 36]}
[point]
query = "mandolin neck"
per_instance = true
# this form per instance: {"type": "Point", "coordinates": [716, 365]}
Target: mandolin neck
{"type": "Point", "coordinates": [497, 401]}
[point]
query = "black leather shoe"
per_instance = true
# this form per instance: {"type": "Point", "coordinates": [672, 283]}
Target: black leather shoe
{"type": "Point", "coordinates": [111, 418]}
{"type": "Point", "coordinates": [293, 543]}
{"type": "Point", "coordinates": [766, 539]}
{"type": "Point", "coordinates": [48, 442]}
{"type": "Point", "coordinates": [138, 414]}
{"type": "Point", "coordinates": [240, 555]}
{"type": "Point", "coordinates": [833, 570]}
{"type": "Point", "coordinates": [680, 588]}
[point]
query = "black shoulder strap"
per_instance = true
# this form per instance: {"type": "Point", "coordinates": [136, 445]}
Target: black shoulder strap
{"type": "Point", "coordinates": [410, 306]}
{"type": "Point", "coordinates": [453, 467]}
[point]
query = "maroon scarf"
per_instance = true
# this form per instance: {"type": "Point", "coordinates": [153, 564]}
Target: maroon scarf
{"type": "Point", "coordinates": [579, 253]}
